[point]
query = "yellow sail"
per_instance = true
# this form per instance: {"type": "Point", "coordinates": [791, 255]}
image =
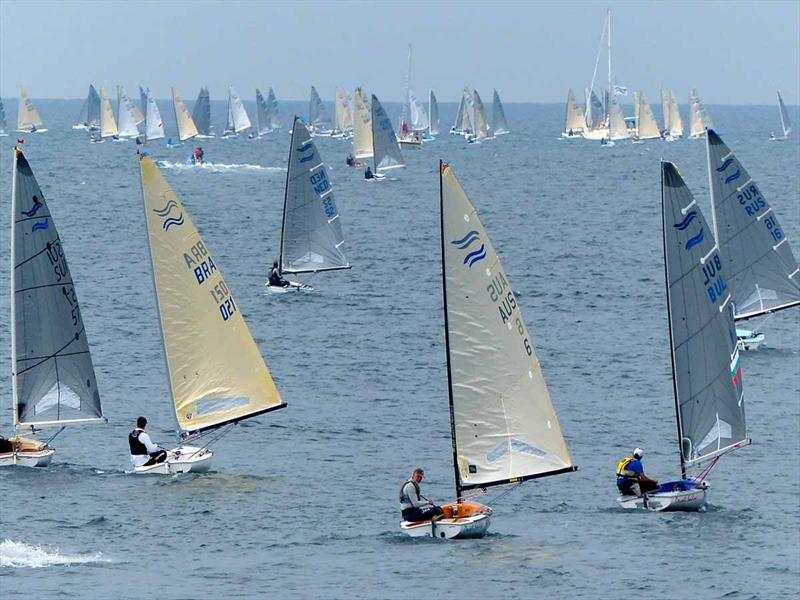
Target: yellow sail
{"type": "Point", "coordinates": [108, 126]}
{"type": "Point", "coordinates": [362, 127]}
{"type": "Point", "coordinates": [216, 372]}
{"type": "Point", "coordinates": [186, 126]}
{"type": "Point", "coordinates": [28, 118]}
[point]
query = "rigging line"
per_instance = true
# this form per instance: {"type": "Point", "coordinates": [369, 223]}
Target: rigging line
{"type": "Point", "coordinates": [213, 438]}
{"type": "Point", "coordinates": [704, 473]}
{"type": "Point", "coordinates": [52, 437]}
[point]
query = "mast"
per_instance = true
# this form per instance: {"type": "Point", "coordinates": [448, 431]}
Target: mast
{"type": "Point", "coordinates": [711, 192]}
{"type": "Point", "coordinates": [286, 191]}
{"type": "Point", "coordinates": [610, 80]}
{"type": "Point", "coordinates": [456, 476]}
{"type": "Point", "coordinates": [12, 270]}
{"type": "Point", "coordinates": [669, 319]}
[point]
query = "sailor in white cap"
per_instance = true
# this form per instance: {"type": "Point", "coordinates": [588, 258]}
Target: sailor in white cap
{"type": "Point", "coordinates": [631, 480]}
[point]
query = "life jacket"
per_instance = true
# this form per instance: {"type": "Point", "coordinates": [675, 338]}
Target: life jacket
{"type": "Point", "coordinates": [137, 447]}
{"type": "Point", "coordinates": [405, 501]}
{"type": "Point", "coordinates": [622, 468]}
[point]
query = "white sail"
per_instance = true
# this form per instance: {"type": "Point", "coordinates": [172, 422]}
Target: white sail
{"type": "Point", "coordinates": [646, 126]}
{"type": "Point", "coordinates": [504, 426]}
{"type": "Point", "coordinates": [311, 234]}
{"type": "Point", "coordinates": [317, 114]}
{"type": "Point", "coordinates": [433, 107]}
{"type": "Point", "coordinates": [699, 118]}
{"type": "Point", "coordinates": [127, 125]}
{"type": "Point", "coordinates": [617, 129]}
{"type": "Point", "coordinates": [143, 100]}
{"type": "Point", "coordinates": [262, 115]}
{"type": "Point", "coordinates": [362, 127]}
{"type": "Point", "coordinates": [666, 108]}
{"type": "Point", "coordinates": [3, 124]}
{"type": "Point", "coordinates": [186, 127]}
{"type": "Point", "coordinates": [574, 121]}
{"type": "Point", "coordinates": [238, 120]}
{"type": "Point", "coordinates": [675, 121]}
{"type": "Point", "coordinates": [482, 128]}
{"type": "Point", "coordinates": [386, 150]}
{"type": "Point", "coordinates": [137, 112]}
{"type": "Point", "coordinates": [108, 125]}
{"type": "Point", "coordinates": [272, 111]}
{"type": "Point", "coordinates": [499, 123]}
{"type": "Point", "coordinates": [785, 123]}
{"type": "Point", "coordinates": [89, 117]}
{"type": "Point", "coordinates": [53, 380]}
{"type": "Point", "coordinates": [458, 123]}
{"type": "Point", "coordinates": [154, 126]}
{"type": "Point", "coordinates": [216, 372]}
{"type": "Point", "coordinates": [28, 119]}
{"type": "Point", "coordinates": [342, 119]}
{"type": "Point", "coordinates": [418, 114]}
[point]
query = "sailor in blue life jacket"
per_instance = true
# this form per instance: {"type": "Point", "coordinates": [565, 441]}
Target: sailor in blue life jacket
{"type": "Point", "coordinates": [631, 480]}
{"type": "Point", "coordinates": [143, 451]}
{"type": "Point", "coordinates": [368, 174]}
{"type": "Point", "coordinates": [275, 279]}
{"type": "Point", "coordinates": [412, 504]}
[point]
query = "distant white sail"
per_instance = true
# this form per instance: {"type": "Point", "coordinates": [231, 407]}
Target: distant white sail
{"type": "Point", "coordinates": [238, 120]}
{"type": "Point", "coordinates": [262, 118]}
{"type": "Point", "coordinates": [466, 120]}
{"type": "Point", "coordinates": [89, 117]}
{"type": "Point", "coordinates": [646, 126]}
{"type": "Point", "coordinates": [574, 120]}
{"type": "Point", "coordinates": [201, 113]}
{"type": "Point", "coordinates": [386, 150]}
{"type": "Point", "coordinates": [318, 117]}
{"type": "Point", "coordinates": [362, 127]}
{"type": "Point", "coordinates": [53, 379]}
{"type": "Point", "coordinates": [482, 128]}
{"type": "Point", "coordinates": [272, 110]}
{"type": "Point", "coordinates": [127, 117]}
{"type": "Point", "coordinates": [143, 101]}
{"type": "Point", "coordinates": [186, 127]}
{"type": "Point", "coordinates": [499, 123]}
{"type": "Point", "coordinates": [433, 107]}
{"type": "Point", "coordinates": [419, 116]}
{"type": "Point", "coordinates": [108, 125]}
{"type": "Point", "coordinates": [342, 120]}
{"type": "Point", "coordinates": [675, 121]}
{"type": "Point", "coordinates": [154, 126]}
{"type": "Point", "coordinates": [699, 118]}
{"type": "Point", "coordinates": [458, 123]}
{"type": "Point", "coordinates": [28, 119]}
{"type": "Point", "coordinates": [3, 123]}
{"type": "Point", "coordinates": [617, 128]}
{"type": "Point", "coordinates": [665, 108]}
{"type": "Point", "coordinates": [785, 123]}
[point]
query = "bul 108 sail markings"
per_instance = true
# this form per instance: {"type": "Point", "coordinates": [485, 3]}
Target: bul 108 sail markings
{"type": "Point", "coordinates": [501, 294]}
{"type": "Point", "coordinates": [199, 261]}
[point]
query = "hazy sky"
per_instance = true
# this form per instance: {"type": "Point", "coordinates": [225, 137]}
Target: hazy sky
{"type": "Point", "coordinates": [732, 52]}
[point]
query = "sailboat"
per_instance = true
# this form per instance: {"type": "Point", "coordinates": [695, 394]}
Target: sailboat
{"type": "Point", "coordinates": [598, 114]}
{"type": "Point", "coordinates": [201, 114]}
{"type": "Point", "coordinates": [186, 127]}
{"type": "Point", "coordinates": [499, 123]}
{"type": "Point", "coordinates": [127, 117]}
{"type": "Point", "coordinates": [413, 117]}
{"type": "Point", "coordinates": [457, 128]}
{"type": "Point", "coordinates": [574, 121]}
{"type": "Point", "coordinates": [89, 117]}
{"type": "Point", "coordinates": [28, 119]}
{"type": "Point", "coordinates": [343, 124]}
{"type": "Point", "coordinates": [108, 125]}
{"type": "Point", "coordinates": [238, 120]}
{"type": "Point", "coordinates": [311, 231]}
{"type": "Point", "coordinates": [617, 129]}
{"type": "Point", "coordinates": [673, 124]}
{"type": "Point", "coordinates": [646, 126]}
{"type": "Point", "coordinates": [272, 111]}
{"type": "Point", "coordinates": [217, 376]}
{"type": "Point", "coordinates": [503, 425]}
{"type": "Point", "coordinates": [362, 126]}
{"type": "Point", "coordinates": [786, 126]}
{"type": "Point", "coordinates": [483, 130]}
{"type": "Point", "coordinates": [706, 374]}
{"type": "Point", "coordinates": [762, 272]}
{"type": "Point", "coordinates": [153, 125]}
{"type": "Point", "coordinates": [52, 377]}
{"type": "Point", "coordinates": [699, 119]}
{"type": "Point", "coordinates": [433, 111]}
{"type": "Point", "coordinates": [137, 113]}
{"type": "Point", "coordinates": [3, 123]}
{"type": "Point", "coordinates": [386, 152]}
{"type": "Point", "coordinates": [319, 122]}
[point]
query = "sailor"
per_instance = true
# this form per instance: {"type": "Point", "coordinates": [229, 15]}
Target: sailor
{"type": "Point", "coordinates": [198, 155]}
{"type": "Point", "coordinates": [6, 445]}
{"type": "Point", "coordinates": [631, 480]}
{"type": "Point", "coordinates": [143, 451]}
{"type": "Point", "coordinates": [368, 174]}
{"type": "Point", "coordinates": [350, 160]}
{"type": "Point", "coordinates": [275, 279]}
{"type": "Point", "coordinates": [412, 502]}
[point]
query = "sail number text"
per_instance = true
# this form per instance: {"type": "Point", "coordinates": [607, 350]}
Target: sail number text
{"type": "Point", "coordinates": [712, 279]}
{"type": "Point", "coordinates": [199, 261]}
{"type": "Point", "coordinates": [503, 297]}
{"type": "Point", "coordinates": [55, 254]}
{"type": "Point", "coordinates": [752, 202]}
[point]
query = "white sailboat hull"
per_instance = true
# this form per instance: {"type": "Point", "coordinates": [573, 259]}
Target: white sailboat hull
{"type": "Point", "coordinates": [29, 453]}
{"type": "Point", "coordinates": [183, 459]}
{"type": "Point", "coordinates": [294, 286]}
{"type": "Point", "coordinates": [672, 496]}
{"type": "Point", "coordinates": [471, 520]}
{"type": "Point", "coordinates": [596, 134]}
{"type": "Point", "coordinates": [29, 130]}
{"type": "Point", "coordinates": [748, 340]}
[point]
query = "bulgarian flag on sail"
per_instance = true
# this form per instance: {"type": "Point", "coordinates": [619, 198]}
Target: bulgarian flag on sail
{"type": "Point", "coordinates": [736, 368]}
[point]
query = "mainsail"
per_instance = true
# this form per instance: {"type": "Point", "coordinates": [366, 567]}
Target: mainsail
{"type": "Point", "coordinates": [433, 107]}
{"type": "Point", "coordinates": [342, 120]}
{"type": "Point", "coordinates": [186, 127]}
{"type": "Point", "coordinates": [127, 117]}
{"type": "Point", "coordinates": [28, 119]}
{"type": "Point", "coordinates": [108, 125]}
{"type": "Point", "coordinates": [262, 114]}
{"type": "Point", "coordinates": [459, 116]}
{"type": "Point", "coordinates": [761, 270]}
{"type": "Point", "coordinates": [362, 127]}
{"type": "Point", "coordinates": [418, 114]}
{"type": "Point", "coordinates": [154, 127]}
{"type": "Point", "coordinates": [143, 101]}
{"type": "Point", "coordinates": [707, 376]}
{"type": "Point", "coordinates": [311, 233]}
{"type": "Point", "coordinates": [675, 121]}
{"type": "Point", "coordinates": [785, 123]}
{"type": "Point", "coordinates": [272, 111]}
{"type": "Point", "coordinates": [53, 380]}
{"type": "Point", "coordinates": [386, 150]}
{"type": "Point", "coordinates": [699, 118]}
{"type": "Point", "coordinates": [3, 124]}
{"type": "Point", "coordinates": [574, 120]}
{"type": "Point", "coordinates": [646, 126]}
{"type": "Point", "coordinates": [595, 115]}
{"type": "Point", "coordinates": [503, 423]}
{"type": "Point", "coordinates": [238, 120]}
{"type": "Point", "coordinates": [216, 372]}
{"type": "Point", "coordinates": [617, 129]}
{"type": "Point", "coordinates": [466, 123]}
{"type": "Point", "coordinates": [665, 109]}
{"type": "Point", "coordinates": [482, 128]}
{"type": "Point", "coordinates": [201, 113]}
{"type": "Point", "coordinates": [90, 111]}
{"type": "Point", "coordinates": [317, 114]}
{"type": "Point", "coordinates": [499, 116]}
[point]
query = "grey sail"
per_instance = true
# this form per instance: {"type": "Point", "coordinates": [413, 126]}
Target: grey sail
{"type": "Point", "coordinates": [705, 360]}
{"type": "Point", "coordinates": [201, 113]}
{"type": "Point", "coordinates": [459, 117]}
{"type": "Point", "coordinates": [595, 114]}
{"type": "Point", "coordinates": [311, 236]}
{"type": "Point", "coordinates": [433, 109]}
{"type": "Point", "coordinates": [93, 109]}
{"type": "Point", "coordinates": [499, 122]}
{"type": "Point", "coordinates": [785, 123]}
{"type": "Point", "coordinates": [761, 269]}
{"type": "Point", "coordinates": [385, 149]}
{"type": "Point", "coordinates": [3, 124]}
{"type": "Point", "coordinates": [143, 100]}
{"type": "Point", "coordinates": [262, 114]}
{"type": "Point", "coordinates": [317, 114]}
{"type": "Point", "coordinates": [52, 373]}
{"type": "Point", "coordinates": [272, 110]}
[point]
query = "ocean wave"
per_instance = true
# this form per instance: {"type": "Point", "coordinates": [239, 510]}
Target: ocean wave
{"type": "Point", "coordinates": [217, 167]}
{"type": "Point", "coordinates": [20, 554]}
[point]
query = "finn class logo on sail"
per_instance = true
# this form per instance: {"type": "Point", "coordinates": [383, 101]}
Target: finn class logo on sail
{"type": "Point", "coordinates": [165, 212]}
{"type": "Point", "coordinates": [473, 256]}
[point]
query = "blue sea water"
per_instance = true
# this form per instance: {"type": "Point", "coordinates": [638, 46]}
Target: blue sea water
{"type": "Point", "coordinates": [302, 502]}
